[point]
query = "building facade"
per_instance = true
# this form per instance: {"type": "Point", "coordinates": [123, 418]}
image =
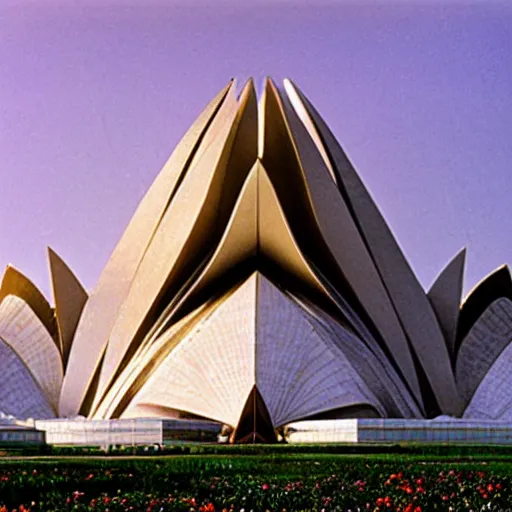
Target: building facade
{"type": "Point", "coordinates": [257, 285]}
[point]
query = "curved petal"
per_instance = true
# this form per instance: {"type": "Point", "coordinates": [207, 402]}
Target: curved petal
{"type": "Point", "coordinates": [496, 285]}
{"type": "Point", "coordinates": [492, 399]}
{"type": "Point", "coordinates": [332, 223]}
{"type": "Point", "coordinates": [20, 395]}
{"type": "Point", "coordinates": [15, 283]}
{"type": "Point", "coordinates": [486, 340]}
{"type": "Point", "coordinates": [22, 330]}
{"type": "Point", "coordinates": [211, 371]}
{"type": "Point", "coordinates": [298, 372]}
{"type": "Point", "coordinates": [445, 296]}
{"type": "Point", "coordinates": [102, 308]}
{"type": "Point", "coordinates": [191, 222]}
{"type": "Point", "coordinates": [252, 340]}
{"type": "Point", "coordinates": [70, 298]}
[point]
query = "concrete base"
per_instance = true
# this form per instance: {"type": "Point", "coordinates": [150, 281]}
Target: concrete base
{"type": "Point", "coordinates": [127, 432]}
{"type": "Point", "coordinates": [441, 430]}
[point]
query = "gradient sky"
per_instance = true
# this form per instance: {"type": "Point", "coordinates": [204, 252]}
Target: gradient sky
{"type": "Point", "coordinates": [95, 95]}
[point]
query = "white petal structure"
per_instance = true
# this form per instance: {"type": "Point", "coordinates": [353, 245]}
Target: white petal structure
{"type": "Point", "coordinates": [492, 399]}
{"type": "Point", "coordinates": [297, 383]}
{"type": "Point", "coordinates": [445, 295]}
{"type": "Point", "coordinates": [26, 336]}
{"type": "Point", "coordinates": [412, 309]}
{"type": "Point", "coordinates": [257, 285]}
{"type": "Point", "coordinates": [254, 339]}
{"type": "Point", "coordinates": [20, 394]}
{"type": "Point", "coordinates": [212, 373]}
{"type": "Point", "coordinates": [70, 298]}
{"type": "Point", "coordinates": [102, 309]}
{"type": "Point", "coordinates": [487, 339]}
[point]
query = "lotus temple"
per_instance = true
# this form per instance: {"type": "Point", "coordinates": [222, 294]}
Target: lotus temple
{"type": "Point", "coordinates": [258, 291]}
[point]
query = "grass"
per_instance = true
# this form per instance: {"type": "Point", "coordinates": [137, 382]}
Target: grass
{"type": "Point", "coordinates": [421, 449]}
{"type": "Point", "coordinates": [276, 462]}
{"type": "Point", "coordinates": [249, 468]}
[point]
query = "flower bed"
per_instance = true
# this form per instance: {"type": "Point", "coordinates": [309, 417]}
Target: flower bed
{"type": "Point", "coordinates": [258, 484]}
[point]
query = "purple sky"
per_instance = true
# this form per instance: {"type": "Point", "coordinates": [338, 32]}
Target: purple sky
{"type": "Point", "coordinates": [95, 95]}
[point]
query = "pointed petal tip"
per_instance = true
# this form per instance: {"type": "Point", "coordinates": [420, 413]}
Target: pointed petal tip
{"type": "Point", "coordinates": [12, 268]}
{"type": "Point", "coordinates": [504, 268]}
{"type": "Point", "coordinates": [51, 252]}
{"type": "Point", "coordinates": [271, 90]}
{"type": "Point", "coordinates": [247, 91]}
{"type": "Point", "coordinates": [289, 84]}
{"type": "Point", "coordinates": [459, 258]}
{"type": "Point", "coordinates": [269, 83]}
{"type": "Point", "coordinates": [54, 258]}
{"type": "Point", "coordinates": [227, 90]}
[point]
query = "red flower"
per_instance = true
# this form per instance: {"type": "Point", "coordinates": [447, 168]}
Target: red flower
{"type": "Point", "coordinates": [265, 487]}
{"type": "Point", "coordinates": [77, 494]}
{"type": "Point", "coordinates": [490, 488]}
{"type": "Point", "coordinates": [384, 501]}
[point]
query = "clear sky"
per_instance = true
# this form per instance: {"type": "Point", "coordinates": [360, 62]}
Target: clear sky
{"type": "Point", "coordinates": [95, 95]}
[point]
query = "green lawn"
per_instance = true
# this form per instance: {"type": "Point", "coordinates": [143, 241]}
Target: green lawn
{"type": "Point", "coordinates": [264, 478]}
